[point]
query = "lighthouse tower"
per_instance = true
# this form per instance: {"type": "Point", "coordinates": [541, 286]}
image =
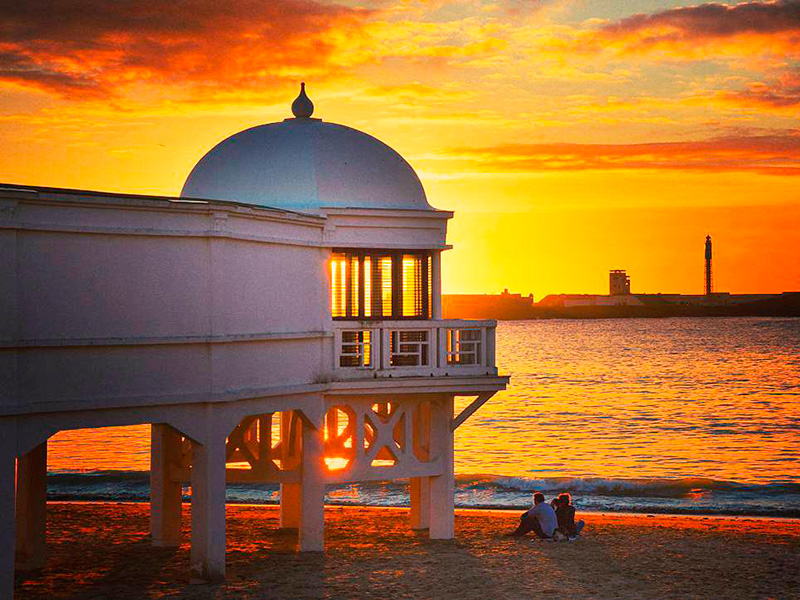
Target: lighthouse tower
{"type": "Point", "coordinates": [709, 282]}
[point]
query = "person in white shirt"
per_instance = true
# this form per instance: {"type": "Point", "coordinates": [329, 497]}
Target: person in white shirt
{"type": "Point", "coordinates": [540, 518]}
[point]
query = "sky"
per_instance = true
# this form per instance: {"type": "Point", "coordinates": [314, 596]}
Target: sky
{"type": "Point", "coordinates": [570, 137]}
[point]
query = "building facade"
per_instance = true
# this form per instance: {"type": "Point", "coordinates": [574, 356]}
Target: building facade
{"type": "Point", "coordinates": [279, 322]}
{"type": "Point", "coordinates": [619, 283]}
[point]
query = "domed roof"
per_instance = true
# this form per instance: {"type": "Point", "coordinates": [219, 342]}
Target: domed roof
{"type": "Point", "coordinates": [304, 164]}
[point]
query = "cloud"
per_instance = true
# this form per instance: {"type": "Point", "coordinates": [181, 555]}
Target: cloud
{"type": "Point", "coordinates": [96, 48]}
{"type": "Point", "coordinates": [21, 70]}
{"type": "Point", "coordinates": [747, 28]}
{"type": "Point", "coordinates": [716, 20]}
{"type": "Point", "coordinates": [760, 36]}
{"type": "Point", "coordinates": [784, 93]}
{"type": "Point", "coordinates": [777, 154]}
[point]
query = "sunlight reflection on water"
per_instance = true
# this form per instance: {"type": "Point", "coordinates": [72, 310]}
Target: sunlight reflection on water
{"type": "Point", "coordinates": [713, 398]}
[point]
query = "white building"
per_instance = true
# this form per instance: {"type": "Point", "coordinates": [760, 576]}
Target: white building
{"type": "Point", "coordinates": [279, 322]}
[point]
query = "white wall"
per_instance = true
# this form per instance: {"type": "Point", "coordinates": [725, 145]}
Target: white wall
{"type": "Point", "coordinates": [116, 303]}
{"type": "Point", "coordinates": [113, 300]}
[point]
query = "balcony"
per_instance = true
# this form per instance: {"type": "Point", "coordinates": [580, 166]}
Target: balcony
{"type": "Point", "coordinates": [426, 348]}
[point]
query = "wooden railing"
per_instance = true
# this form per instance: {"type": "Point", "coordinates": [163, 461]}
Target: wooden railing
{"type": "Point", "coordinates": [413, 348]}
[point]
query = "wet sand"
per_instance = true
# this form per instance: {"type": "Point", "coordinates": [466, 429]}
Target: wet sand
{"type": "Point", "coordinates": [103, 551]}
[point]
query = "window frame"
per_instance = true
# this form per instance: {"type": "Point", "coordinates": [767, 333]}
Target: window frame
{"type": "Point", "coordinates": [396, 255]}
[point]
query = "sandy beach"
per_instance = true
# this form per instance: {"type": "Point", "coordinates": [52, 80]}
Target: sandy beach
{"type": "Point", "coordinates": [103, 551]}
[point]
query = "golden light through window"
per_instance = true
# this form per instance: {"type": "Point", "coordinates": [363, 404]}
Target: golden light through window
{"type": "Point", "coordinates": [385, 270]}
{"type": "Point", "coordinates": [375, 284]}
{"type": "Point", "coordinates": [410, 280]}
{"type": "Point", "coordinates": [338, 285]}
{"type": "Point", "coordinates": [353, 276]}
{"type": "Point", "coordinates": [367, 286]}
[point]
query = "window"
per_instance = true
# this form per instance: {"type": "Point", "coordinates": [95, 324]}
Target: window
{"type": "Point", "coordinates": [408, 348]}
{"type": "Point", "coordinates": [412, 284]}
{"type": "Point", "coordinates": [381, 284]}
{"type": "Point", "coordinates": [356, 349]}
{"type": "Point", "coordinates": [463, 346]}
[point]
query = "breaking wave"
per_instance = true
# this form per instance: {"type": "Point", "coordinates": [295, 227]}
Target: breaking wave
{"type": "Point", "coordinates": [657, 487]}
{"type": "Point", "coordinates": [676, 496]}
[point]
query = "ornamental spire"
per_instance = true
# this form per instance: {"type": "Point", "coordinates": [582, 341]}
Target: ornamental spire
{"type": "Point", "coordinates": [302, 107]}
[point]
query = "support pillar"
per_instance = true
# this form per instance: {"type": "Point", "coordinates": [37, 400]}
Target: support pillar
{"type": "Point", "coordinates": [420, 487]}
{"type": "Point", "coordinates": [291, 494]}
{"type": "Point", "coordinates": [312, 515]}
{"type": "Point", "coordinates": [442, 487]}
{"type": "Point", "coordinates": [31, 517]}
{"type": "Point", "coordinates": [8, 456]}
{"type": "Point", "coordinates": [165, 494]}
{"type": "Point", "coordinates": [291, 497]}
{"type": "Point", "coordinates": [207, 556]}
{"type": "Point", "coordinates": [420, 492]}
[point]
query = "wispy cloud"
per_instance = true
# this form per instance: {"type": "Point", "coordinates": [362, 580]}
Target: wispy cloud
{"type": "Point", "coordinates": [753, 27]}
{"type": "Point", "coordinates": [781, 94]}
{"type": "Point", "coordinates": [712, 20]}
{"type": "Point", "coordinates": [777, 154]}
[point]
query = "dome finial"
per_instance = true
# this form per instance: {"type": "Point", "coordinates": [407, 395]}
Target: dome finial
{"type": "Point", "coordinates": [302, 107]}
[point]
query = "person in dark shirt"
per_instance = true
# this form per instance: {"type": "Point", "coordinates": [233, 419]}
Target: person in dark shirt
{"type": "Point", "coordinates": [565, 513]}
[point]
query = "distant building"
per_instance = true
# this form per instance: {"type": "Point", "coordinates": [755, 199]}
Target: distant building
{"type": "Point", "coordinates": [573, 300]}
{"type": "Point", "coordinates": [619, 284]}
{"type": "Point", "coordinates": [488, 306]}
{"type": "Point", "coordinates": [713, 299]}
{"type": "Point", "coordinates": [527, 300]}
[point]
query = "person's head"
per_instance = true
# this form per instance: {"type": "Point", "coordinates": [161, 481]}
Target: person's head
{"type": "Point", "coordinates": [565, 499]}
{"type": "Point", "coordinates": [538, 498]}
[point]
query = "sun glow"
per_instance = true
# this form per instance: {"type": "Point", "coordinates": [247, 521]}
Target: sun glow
{"type": "Point", "coordinates": [336, 464]}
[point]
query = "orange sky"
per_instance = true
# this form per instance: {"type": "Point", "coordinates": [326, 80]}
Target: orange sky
{"type": "Point", "coordinates": [570, 136]}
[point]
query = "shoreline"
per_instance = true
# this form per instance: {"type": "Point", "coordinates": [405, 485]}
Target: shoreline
{"type": "Point", "coordinates": [103, 550]}
{"type": "Point", "coordinates": [786, 307]}
{"type": "Point", "coordinates": [481, 509]}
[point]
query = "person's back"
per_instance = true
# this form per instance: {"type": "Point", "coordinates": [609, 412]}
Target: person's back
{"type": "Point", "coordinates": [546, 516]}
{"type": "Point", "coordinates": [565, 513]}
{"type": "Point", "coordinates": [566, 516]}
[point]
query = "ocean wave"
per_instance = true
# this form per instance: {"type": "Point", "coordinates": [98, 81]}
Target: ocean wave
{"type": "Point", "coordinates": [642, 488]}
{"type": "Point", "coordinates": [691, 495]}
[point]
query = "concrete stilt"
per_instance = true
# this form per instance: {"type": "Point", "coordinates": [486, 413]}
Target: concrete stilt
{"type": "Point", "coordinates": [442, 487]}
{"type": "Point", "coordinates": [420, 492]}
{"type": "Point", "coordinates": [31, 518]}
{"type": "Point", "coordinates": [207, 555]}
{"type": "Point", "coordinates": [312, 516]}
{"type": "Point", "coordinates": [165, 494]}
{"type": "Point", "coordinates": [291, 496]}
{"type": "Point", "coordinates": [8, 456]}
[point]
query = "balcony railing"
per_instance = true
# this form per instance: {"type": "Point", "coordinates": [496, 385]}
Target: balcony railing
{"type": "Point", "coordinates": [413, 348]}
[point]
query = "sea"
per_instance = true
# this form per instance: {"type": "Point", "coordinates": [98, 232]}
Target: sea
{"type": "Point", "coordinates": [679, 415]}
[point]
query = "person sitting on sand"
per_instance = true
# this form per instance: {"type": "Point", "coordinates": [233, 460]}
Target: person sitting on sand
{"type": "Point", "coordinates": [540, 518]}
{"type": "Point", "coordinates": [565, 513]}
